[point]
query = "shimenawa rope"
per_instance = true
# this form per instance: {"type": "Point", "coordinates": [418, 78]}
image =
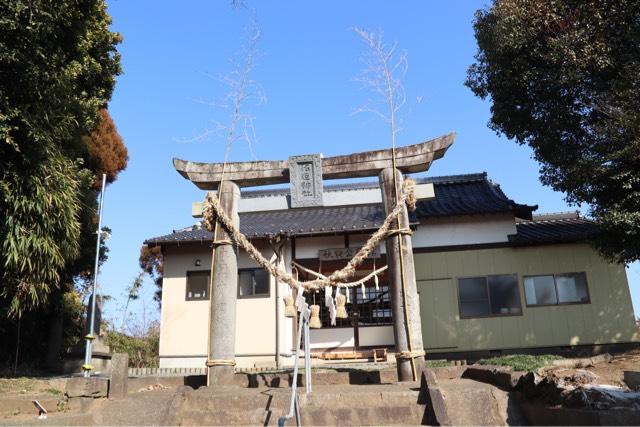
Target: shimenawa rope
{"type": "Point", "coordinates": [214, 214]}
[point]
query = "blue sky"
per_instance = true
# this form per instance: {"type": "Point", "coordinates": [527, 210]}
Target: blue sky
{"type": "Point", "coordinates": [307, 63]}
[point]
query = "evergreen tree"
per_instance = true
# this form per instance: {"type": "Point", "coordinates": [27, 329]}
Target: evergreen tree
{"type": "Point", "coordinates": [563, 77]}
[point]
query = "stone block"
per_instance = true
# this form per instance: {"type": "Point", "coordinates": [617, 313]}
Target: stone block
{"type": "Point", "coordinates": [87, 387]}
{"type": "Point", "coordinates": [432, 397]}
{"type": "Point", "coordinates": [449, 372]}
{"type": "Point", "coordinates": [500, 376]}
{"type": "Point", "coordinates": [119, 376]}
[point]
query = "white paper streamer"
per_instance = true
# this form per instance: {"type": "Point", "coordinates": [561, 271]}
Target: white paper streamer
{"type": "Point", "coordinates": [332, 311]}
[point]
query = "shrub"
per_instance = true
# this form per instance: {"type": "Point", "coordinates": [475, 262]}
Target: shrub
{"type": "Point", "coordinates": [143, 350]}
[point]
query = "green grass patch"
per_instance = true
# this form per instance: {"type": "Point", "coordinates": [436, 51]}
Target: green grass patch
{"type": "Point", "coordinates": [521, 362]}
{"type": "Point", "coordinates": [53, 391]}
{"type": "Point", "coordinates": [436, 363]}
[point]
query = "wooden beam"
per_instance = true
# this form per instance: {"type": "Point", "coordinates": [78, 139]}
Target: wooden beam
{"type": "Point", "coordinates": [409, 159]}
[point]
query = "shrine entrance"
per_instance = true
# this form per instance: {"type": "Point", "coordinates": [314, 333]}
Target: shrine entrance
{"type": "Point", "coordinates": [369, 324]}
{"type": "Point", "coordinates": [305, 175]}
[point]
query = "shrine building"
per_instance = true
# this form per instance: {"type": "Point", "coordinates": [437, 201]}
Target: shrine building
{"type": "Point", "coordinates": [492, 278]}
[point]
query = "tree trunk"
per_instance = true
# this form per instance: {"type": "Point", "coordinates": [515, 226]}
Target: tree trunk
{"type": "Point", "coordinates": [15, 364]}
{"type": "Point", "coordinates": [54, 340]}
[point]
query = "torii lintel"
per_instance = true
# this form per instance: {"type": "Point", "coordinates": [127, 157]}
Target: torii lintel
{"type": "Point", "coordinates": [409, 159]}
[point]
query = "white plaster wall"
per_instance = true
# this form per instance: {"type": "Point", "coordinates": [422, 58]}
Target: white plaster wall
{"type": "Point", "coordinates": [183, 362]}
{"type": "Point", "coordinates": [376, 335]}
{"type": "Point", "coordinates": [464, 230]}
{"type": "Point", "coordinates": [183, 324]}
{"type": "Point", "coordinates": [332, 338]}
{"type": "Point", "coordinates": [256, 317]}
{"type": "Point", "coordinates": [330, 198]}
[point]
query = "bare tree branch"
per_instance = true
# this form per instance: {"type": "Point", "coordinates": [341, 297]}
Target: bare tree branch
{"type": "Point", "coordinates": [383, 71]}
{"type": "Point", "coordinates": [241, 90]}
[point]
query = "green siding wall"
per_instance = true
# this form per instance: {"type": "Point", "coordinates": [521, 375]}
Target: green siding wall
{"type": "Point", "coordinates": [608, 318]}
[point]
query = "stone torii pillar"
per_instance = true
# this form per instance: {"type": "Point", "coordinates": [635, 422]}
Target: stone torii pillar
{"type": "Point", "coordinates": [408, 335]}
{"type": "Point", "coordinates": [222, 310]}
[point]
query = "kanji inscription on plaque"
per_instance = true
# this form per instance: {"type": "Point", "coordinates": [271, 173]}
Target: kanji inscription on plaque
{"type": "Point", "coordinates": [305, 174]}
{"type": "Point", "coordinates": [333, 254]}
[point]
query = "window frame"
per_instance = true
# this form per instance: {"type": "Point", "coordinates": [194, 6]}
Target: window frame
{"type": "Point", "coordinates": [186, 287]}
{"type": "Point", "coordinates": [486, 282]}
{"type": "Point", "coordinates": [555, 287]}
{"type": "Point", "coordinates": [350, 321]}
{"type": "Point", "coordinates": [372, 305]}
{"type": "Point", "coordinates": [253, 295]}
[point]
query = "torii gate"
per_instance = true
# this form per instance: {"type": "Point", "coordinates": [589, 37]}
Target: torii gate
{"type": "Point", "coordinates": [399, 249]}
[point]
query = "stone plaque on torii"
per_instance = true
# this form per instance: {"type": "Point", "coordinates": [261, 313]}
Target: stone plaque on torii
{"type": "Point", "coordinates": [408, 159]}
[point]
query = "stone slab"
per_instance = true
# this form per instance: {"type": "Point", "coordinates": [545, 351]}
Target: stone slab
{"type": "Point", "coordinates": [448, 372]}
{"type": "Point", "coordinates": [87, 387]}
{"type": "Point", "coordinates": [500, 376]}
{"type": "Point", "coordinates": [119, 376]}
{"type": "Point", "coordinates": [430, 394]}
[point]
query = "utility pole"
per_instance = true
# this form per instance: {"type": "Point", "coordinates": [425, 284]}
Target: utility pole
{"type": "Point", "coordinates": [87, 367]}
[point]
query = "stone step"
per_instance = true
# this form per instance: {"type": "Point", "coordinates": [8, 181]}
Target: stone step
{"type": "Point", "coordinates": [362, 416]}
{"type": "Point", "coordinates": [223, 417]}
{"type": "Point", "coordinates": [214, 399]}
{"type": "Point", "coordinates": [53, 419]}
{"type": "Point", "coordinates": [317, 416]}
{"type": "Point", "coordinates": [326, 405]}
{"type": "Point", "coordinates": [12, 406]}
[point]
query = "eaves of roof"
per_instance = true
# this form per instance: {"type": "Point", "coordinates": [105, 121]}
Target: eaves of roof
{"type": "Point", "coordinates": [456, 195]}
{"type": "Point", "coordinates": [561, 230]}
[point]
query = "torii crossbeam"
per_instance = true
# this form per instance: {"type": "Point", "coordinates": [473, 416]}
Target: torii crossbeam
{"type": "Point", "coordinates": [409, 159]}
{"type": "Point", "coordinates": [403, 290]}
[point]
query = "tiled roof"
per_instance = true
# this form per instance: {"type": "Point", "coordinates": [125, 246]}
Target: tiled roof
{"type": "Point", "coordinates": [293, 222]}
{"type": "Point", "coordinates": [471, 194]}
{"type": "Point", "coordinates": [562, 230]}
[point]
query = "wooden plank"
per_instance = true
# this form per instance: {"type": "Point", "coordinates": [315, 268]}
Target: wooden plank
{"type": "Point", "coordinates": [409, 159]}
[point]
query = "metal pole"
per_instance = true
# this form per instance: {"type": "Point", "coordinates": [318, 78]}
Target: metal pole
{"type": "Point", "coordinates": [307, 358]}
{"type": "Point", "coordinates": [89, 337]}
{"type": "Point", "coordinates": [294, 385]}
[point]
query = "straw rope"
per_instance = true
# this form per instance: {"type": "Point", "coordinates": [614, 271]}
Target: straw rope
{"type": "Point", "coordinates": [213, 214]}
{"type": "Point", "coordinates": [322, 276]}
{"type": "Point", "coordinates": [409, 354]}
{"type": "Point", "coordinates": [220, 362]}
